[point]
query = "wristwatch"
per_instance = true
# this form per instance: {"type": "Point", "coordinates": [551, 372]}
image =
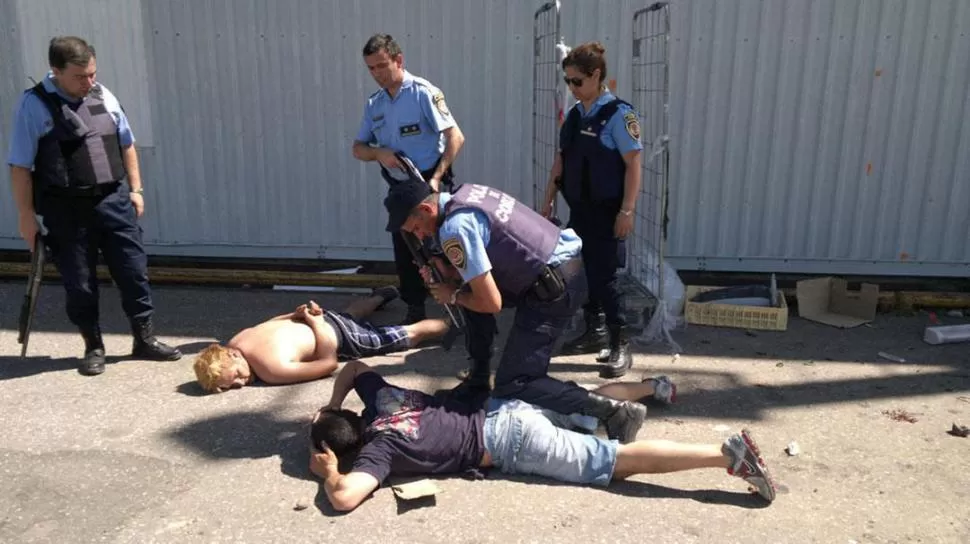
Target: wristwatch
{"type": "Point", "coordinates": [139, 190]}
{"type": "Point", "coordinates": [626, 212]}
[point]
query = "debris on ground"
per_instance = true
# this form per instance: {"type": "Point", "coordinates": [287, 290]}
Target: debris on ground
{"type": "Point", "coordinates": [793, 449]}
{"type": "Point", "coordinates": [891, 357]}
{"type": "Point", "coordinates": [780, 364]}
{"type": "Point", "coordinates": [959, 430]}
{"type": "Point", "coordinates": [949, 334]}
{"type": "Point", "coordinates": [963, 399]}
{"type": "Point", "coordinates": [900, 415]}
{"type": "Point", "coordinates": [301, 505]}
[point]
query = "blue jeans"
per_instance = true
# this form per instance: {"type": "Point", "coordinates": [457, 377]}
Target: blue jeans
{"type": "Point", "coordinates": [525, 439]}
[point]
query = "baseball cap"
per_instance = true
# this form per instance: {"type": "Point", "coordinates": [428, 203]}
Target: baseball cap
{"type": "Point", "coordinates": [401, 199]}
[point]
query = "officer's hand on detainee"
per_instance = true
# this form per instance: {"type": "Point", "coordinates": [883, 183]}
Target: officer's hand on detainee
{"type": "Point", "coordinates": [387, 158]}
{"type": "Point", "coordinates": [28, 229]}
{"type": "Point", "coordinates": [623, 225]}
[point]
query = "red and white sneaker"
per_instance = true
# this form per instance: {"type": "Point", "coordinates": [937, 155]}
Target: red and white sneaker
{"type": "Point", "coordinates": [747, 464]}
{"type": "Point", "coordinates": [664, 390]}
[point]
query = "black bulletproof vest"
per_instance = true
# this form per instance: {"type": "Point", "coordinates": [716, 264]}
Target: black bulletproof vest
{"type": "Point", "coordinates": [83, 148]}
{"type": "Point", "coordinates": [590, 170]}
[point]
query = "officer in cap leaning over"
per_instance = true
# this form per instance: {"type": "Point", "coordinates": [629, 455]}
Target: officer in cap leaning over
{"type": "Point", "coordinates": [509, 255]}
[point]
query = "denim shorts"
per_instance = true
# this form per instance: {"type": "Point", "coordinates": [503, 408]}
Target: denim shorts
{"type": "Point", "coordinates": [358, 340]}
{"type": "Point", "coordinates": [523, 439]}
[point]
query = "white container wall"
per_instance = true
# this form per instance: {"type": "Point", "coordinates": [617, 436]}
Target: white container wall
{"type": "Point", "coordinates": [821, 136]}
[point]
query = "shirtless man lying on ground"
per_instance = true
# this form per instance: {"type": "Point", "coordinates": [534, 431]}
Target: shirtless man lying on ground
{"type": "Point", "coordinates": [404, 432]}
{"type": "Point", "coordinates": [307, 344]}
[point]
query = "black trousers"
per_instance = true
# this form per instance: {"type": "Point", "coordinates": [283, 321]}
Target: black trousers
{"type": "Point", "coordinates": [79, 226]}
{"type": "Point", "coordinates": [603, 254]}
{"type": "Point", "coordinates": [523, 370]}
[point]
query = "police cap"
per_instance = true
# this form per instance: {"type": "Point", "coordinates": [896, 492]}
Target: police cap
{"type": "Point", "coordinates": [402, 199]}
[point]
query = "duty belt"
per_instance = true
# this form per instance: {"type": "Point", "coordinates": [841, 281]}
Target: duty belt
{"type": "Point", "coordinates": [100, 189]}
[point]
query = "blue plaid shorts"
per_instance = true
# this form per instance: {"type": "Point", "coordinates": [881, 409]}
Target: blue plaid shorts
{"type": "Point", "coordinates": [363, 339]}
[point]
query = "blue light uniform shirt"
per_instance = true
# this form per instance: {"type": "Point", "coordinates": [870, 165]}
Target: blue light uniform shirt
{"type": "Point", "coordinates": [412, 122]}
{"type": "Point", "coordinates": [619, 133]}
{"type": "Point", "coordinates": [32, 121]}
{"type": "Point", "coordinates": [471, 228]}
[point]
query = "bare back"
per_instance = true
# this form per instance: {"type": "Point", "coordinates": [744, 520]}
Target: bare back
{"type": "Point", "coordinates": [282, 340]}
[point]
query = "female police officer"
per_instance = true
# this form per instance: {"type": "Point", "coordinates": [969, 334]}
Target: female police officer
{"type": "Point", "coordinates": [597, 169]}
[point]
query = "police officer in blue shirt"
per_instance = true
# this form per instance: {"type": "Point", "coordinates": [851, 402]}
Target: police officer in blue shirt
{"type": "Point", "coordinates": [509, 255]}
{"type": "Point", "coordinates": [70, 150]}
{"type": "Point", "coordinates": [409, 115]}
{"type": "Point", "coordinates": [597, 169]}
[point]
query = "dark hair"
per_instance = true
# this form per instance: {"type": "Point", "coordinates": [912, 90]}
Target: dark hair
{"type": "Point", "coordinates": [586, 58]}
{"type": "Point", "coordinates": [338, 429]}
{"type": "Point", "coordinates": [64, 50]}
{"type": "Point", "coordinates": [379, 42]}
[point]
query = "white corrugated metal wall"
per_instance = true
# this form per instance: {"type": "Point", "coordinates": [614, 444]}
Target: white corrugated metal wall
{"type": "Point", "coordinates": [807, 135]}
{"type": "Point", "coordinates": [821, 136]}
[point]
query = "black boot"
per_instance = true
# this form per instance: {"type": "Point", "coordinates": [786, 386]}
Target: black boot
{"type": "Point", "coordinates": [593, 338]}
{"type": "Point", "coordinates": [93, 362]}
{"type": "Point", "coordinates": [474, 387]}
{"type": "Point", "coordinates": [623, 418]}
{"type": "Point", "coordinates": [618, 359]}
{"type": "Point", "coordinates": [146, 346]}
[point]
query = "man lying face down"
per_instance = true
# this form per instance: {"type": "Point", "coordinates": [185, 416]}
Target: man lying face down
{"type": "Point", "coordinates": [307, 344]}
{"type": "Point", "coordinates": [404, 432]}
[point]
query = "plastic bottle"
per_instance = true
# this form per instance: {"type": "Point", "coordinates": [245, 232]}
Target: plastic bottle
{"type": "Point", "coordinates": [950, 334]}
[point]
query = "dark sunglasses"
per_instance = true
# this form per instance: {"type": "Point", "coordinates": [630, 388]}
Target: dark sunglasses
{"type": "Point", "coordinates": [574, 81]}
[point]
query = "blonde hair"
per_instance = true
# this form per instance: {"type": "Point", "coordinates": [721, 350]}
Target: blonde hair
{"type": "Point", "coordinates": [209, 366]}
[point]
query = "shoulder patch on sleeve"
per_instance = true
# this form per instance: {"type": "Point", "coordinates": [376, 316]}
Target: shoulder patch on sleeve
{"type": "Point", "coordinates": [632, 125]}
{"type": "Point", "coordinates": [438, 98]}
{"type": "Point", "coordinates": [455, 252]}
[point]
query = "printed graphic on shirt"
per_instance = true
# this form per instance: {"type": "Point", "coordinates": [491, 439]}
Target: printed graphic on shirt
{"type": "Point", "coordinates": [399, 411]}
{"type": "Point", "coordinates": [455, 252]}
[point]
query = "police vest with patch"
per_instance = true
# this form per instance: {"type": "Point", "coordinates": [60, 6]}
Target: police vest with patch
{"type": "Point", "coordinates": [83, 148]}
{"type": "Point", "coordinates": [590, 170]}
{"type": "Point", "coordinates": [520, 242]}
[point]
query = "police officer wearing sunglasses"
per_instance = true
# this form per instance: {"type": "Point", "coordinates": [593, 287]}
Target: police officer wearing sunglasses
{"type": "Point", "coordinates": [597, 169]}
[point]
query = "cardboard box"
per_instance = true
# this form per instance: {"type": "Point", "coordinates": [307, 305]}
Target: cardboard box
{"type": "Point", "coordinates": [829, 301]}
{"type": "Point", "coordinates": [730, 315]}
